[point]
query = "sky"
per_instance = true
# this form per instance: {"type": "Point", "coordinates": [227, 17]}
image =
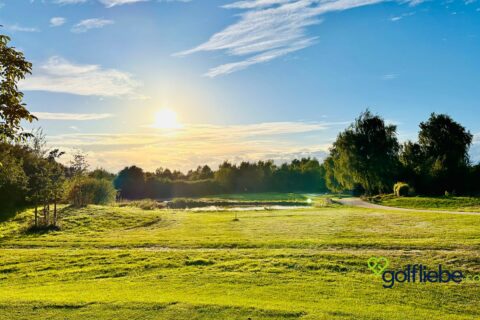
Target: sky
{"type": "Point", "coordinates": [179, 83]}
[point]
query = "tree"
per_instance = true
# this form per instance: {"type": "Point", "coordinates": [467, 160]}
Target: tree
{"type": "Point", "coordinates": [365, 155]}
{"type": "Point", "coordinates": [82, 191]}
{"type": "Point", "coordinates": [56, 180]}
{"type": "Point", "coordinates": [38, 181]}
{"type": "Point", "coordinates": [444, 146]}
{"type": "Point", "coordinates": [226, 176]}
{"type": "Point", "coordinates": [13, 68]}
{"type": "Point", "coordinates": [78, 165]}
{"type": "Point", "coordinates": [101, 173]}
{"type": "Point", "coordinates": [13, 183]}
{"type": "Point", "coordinates": [130, 182]}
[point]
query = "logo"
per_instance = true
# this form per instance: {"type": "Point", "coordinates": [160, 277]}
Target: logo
{"type": "Point", "coordinates": [378, 265]}
{"type": "Point", "coordinates": [412, 273]}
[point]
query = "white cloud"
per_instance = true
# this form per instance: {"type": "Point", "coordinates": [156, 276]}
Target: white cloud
{"type": "Point", "coordinates": [60, 75]}
{"type": "Point", "coordinates": [113, 3]}
{"type": "Point", "coordinates": [390, 76]}
{"type": "Point", "coordinates": [19, 28]}
{"type": "Point", "coordinates": [69, 1]}
{"type": "Point", "coordinates": [71, 116]}
{"type": "Point", "coordinates": [57, 21]}
{"type": "Point", "coordinates": [268, 29]}
{"type": "Point", "coordinates": [87, 24]}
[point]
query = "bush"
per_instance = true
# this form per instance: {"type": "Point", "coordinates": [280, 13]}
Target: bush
{"type": "Point", "coordinates": [145, 204]}
{"type": "Point", "coordinates": [402, 189]}
{"type": "Point", "coordinates": [83, 191]}
{"type": "Point", "coordinates": [13, 185]}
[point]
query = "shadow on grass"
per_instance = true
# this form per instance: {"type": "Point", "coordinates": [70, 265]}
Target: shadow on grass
{"type": "Point", "coordinates": [7, 213]}
{"type": "Point", "coordinates": [41, 229]}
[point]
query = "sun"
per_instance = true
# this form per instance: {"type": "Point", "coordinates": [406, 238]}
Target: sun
{"type": "Point", "coordinates": [166, 119]}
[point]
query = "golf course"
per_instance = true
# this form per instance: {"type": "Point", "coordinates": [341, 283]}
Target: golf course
{"type": "Point", "coordinates": [122, 262]}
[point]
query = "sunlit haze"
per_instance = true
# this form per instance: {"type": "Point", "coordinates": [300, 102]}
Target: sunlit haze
{"type": "Point", "coordinates": [183, 83]}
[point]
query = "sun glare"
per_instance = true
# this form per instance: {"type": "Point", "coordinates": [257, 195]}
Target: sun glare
{"type": "Point", "coordinates": [166, 119]}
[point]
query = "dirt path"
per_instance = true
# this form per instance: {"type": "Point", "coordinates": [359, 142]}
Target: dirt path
{"type": "Point", "coordinates": [357, 202]}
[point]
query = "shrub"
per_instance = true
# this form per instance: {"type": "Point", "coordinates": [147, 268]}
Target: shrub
{"type": "Point", "coordinates": [402, 189]}
{"type": "Point", "coordinates": [84, 191]}
{"type": "Point", "coordinates": [145, 204]}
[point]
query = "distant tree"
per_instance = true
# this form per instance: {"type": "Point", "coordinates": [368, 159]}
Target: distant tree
{"type": "Point", "coordinates": [441, 156]}
{"type": "Point", "coordinates": [13, 68]}
{"type": "Point", "coordinates": [205, 173]}
{"type": "Point", "coordinates": [78, 165]}
{"type": "Point", "coordinates": [226, 176]}
{"type": "Point", "coordinates": [201, 173]}
{"type": "Point", "coordinates": [130, 182]}
{"type": "Point", "coordinates": [101, 173]}
{"type": "Point", "coordinates": [365, 155]}
{"type": "Point", "coordinates": [164, 174]}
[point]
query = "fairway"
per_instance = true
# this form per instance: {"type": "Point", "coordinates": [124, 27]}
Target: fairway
{"type": "Point", "coordinates": [126, 263]}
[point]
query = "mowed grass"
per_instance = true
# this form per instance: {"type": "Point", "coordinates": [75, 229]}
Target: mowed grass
{"type": "Point", "coordinates": [127, 263]}
{"type": "Point", "coordinates": [467, 204]}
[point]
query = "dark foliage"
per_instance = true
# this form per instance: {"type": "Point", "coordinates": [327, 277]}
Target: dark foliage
{"type": "Point", "coordinates": [305, 175]}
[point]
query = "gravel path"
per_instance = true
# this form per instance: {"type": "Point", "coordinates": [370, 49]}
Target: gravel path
{"type": "Point", "coordinates": [357, 202]}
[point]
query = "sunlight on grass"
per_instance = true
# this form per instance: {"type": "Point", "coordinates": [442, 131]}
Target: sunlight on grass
{"type": "Point", "coordinates": [308, 263]}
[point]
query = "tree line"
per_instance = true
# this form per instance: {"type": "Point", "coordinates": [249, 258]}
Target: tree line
{"type": "Point", "coordinates": [368, 158]}
{"type": "Point", "coordinates": [299, 175]}
{"type": "Point", "coordinates": [31, 175]}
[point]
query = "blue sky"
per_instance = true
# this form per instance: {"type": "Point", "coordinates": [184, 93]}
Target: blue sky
{"type": "Point", "coordinates": [247, 80]}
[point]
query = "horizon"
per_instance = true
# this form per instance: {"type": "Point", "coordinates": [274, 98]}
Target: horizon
{"type": "Point", "coordinates": [282, 92]}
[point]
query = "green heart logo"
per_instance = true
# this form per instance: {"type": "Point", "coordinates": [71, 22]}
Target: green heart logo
{"type": "Point", "coordinates": [378, 265]}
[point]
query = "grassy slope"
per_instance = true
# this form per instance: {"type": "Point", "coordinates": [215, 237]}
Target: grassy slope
{"type": "Point", "coordinates": [125, 263]}
{"type": "Point", "coordinates": [468, 204]}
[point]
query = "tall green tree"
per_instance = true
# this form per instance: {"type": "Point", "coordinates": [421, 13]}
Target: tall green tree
{"type": "Point", "coordinates": [13, 68]}
{"type": "Point", "coordinates": [440, 158]}
{"type": "Point", "coordinates": [13, 183]}
{"type": "Point", "coordinates": [130, 182]}
{"type": "Point", "coordinates": [365, 155]}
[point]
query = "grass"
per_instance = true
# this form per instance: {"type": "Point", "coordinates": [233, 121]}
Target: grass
{"type": "Point", "coordinates": [467, 204]}
{"type": "Point", "coordinates": [128, 263]}
{"type": "Point", "coordinates": [267, 196]}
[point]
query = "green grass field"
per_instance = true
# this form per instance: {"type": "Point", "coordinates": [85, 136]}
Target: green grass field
{"type": "Point", "coordinates": [468, 204]}
{"type": "Point", "coordinates": [127, 263]}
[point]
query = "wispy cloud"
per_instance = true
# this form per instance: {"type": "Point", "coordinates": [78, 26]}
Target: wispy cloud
{"type": "Point", "coordinates": [197, 144]}
{"type": "Point", "coordinates": [88, 24]}
{"type": "Point", "coordinates": [269, 29]}
{"type": "Point", "coordinates": [390, 76]}
{"type": "Point", "coordinates": [69, 1]}
{"type": "Point", "coordinates": [57, 21]}
{"type": "Point", "coordinates": [113, 3]}
{"type": "Point", "coordinates": [60, 75]}
{"type": "Point", "coordinates": [400, 17]}
{"type": "Point", "coordinates": [71, 116]}
{"type": "Point", "coordinates": [19, 28]}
